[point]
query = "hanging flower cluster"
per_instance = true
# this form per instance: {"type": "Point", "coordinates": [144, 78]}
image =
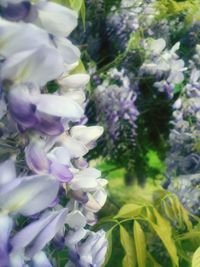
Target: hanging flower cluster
{"type": "Point", "coordinates": [130, 17]}
{"type": "Point", "coordinates": [48, 193]}
{"type": "Point", "coordinates": [117, 98]}
{"type": "Point", "coordinates": [183, 160]}
{"type": "Point", "coordinates": [184, 156]}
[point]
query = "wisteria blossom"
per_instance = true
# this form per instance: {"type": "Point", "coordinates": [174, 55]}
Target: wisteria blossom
{"type": "Point", "coordinates": [183, 159]}
{"type": "Point", "coordinates": [164, 64]}
{"type": "Point", "coordinates": [116, 97]}
{"type": "Point", "coordinates": [46, 182]}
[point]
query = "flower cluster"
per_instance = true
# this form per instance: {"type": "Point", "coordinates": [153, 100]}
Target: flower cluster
{"type": "Point", "coordinates": [184, 155]}
{"type": "Point", "coordinates": [186, 187]}
{"type": "Point", "coordinates": [165, 65]}
{"type": "Point", "coordinates": [116, 97]}
{"type": "Point", "coordinates": [48, 193]}
{"type": "Point", "coordinates": [123, 22]}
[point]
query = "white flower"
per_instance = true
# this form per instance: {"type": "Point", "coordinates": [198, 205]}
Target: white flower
{"type": "Point", "coordinates": [26, 66]}
{"type": "Point", "coordinates": [20, 37]}
{"type": "Point", "coordinates": [56, 19]}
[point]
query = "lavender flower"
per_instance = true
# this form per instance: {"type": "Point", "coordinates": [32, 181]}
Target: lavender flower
{"type": "Point", "coordinates": [40, 132]}
{"type": "Point", "coordinates": [183, 159]}
{"type": "Point", "coordinates": [115, 105]}
{"type": "Point", "coordinates": [184, 155]}
{"type": "Point", "coordinates": [186, 187]}
{"type": "Point", "coordinates": [164, 64]}
{"type": "Point", "coordinates": [90, 252]}
{"type": "Point", "coordinates": [122, 23]}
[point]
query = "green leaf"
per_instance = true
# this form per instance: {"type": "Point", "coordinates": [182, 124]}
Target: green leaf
{"type": "Point", "coordinates": [184, 216]}
{"type": "Point", "coordinates": [79, 69]}
{"type": "Point", "coordinates": [178, 88]}
{"type": "Point", "coordinates": [189, 235]}
{"type": "Point", "coordinates": [134, 41]}
{"type": "Point", "coordinates": [140, 244]}
{"type": "Point", "coordinates": [83, 13]}
{"type": "Point", "coordinates": [153, 261]}
{"type": "Point", "coordinates": [129, 248]}
{"type": "Point", "coordinates": [76, 4]}
{"type": "Point", "coordinates": [129, 211]}
{"type": "Point", "coordinates": [164, 231]}
{"type": "Point", "coordinates": [196, 258]}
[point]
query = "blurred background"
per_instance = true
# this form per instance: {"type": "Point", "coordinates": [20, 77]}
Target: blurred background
{"type": "Point", "coordinates": [144, 60]}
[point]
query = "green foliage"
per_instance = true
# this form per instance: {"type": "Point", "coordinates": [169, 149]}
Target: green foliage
{"type": "Point", "coordinates": [154, 161]}
{"type": "Point", "coordinates": [128, 245]}
{"type": "Point", "coordinates": [140, 244]}
{"type": "Point", "coordinates": [178, 88]}
{"type": "Point", "coordinates": [196, 258]}
{"type": "Point", "coordinates": [79, 69]}
{"type": "Point", "coordinates": [157, 233]}
{"type": "Point", "coordinates": [173, 8]}
{"type": "Point", "coordinates": [134, 41]}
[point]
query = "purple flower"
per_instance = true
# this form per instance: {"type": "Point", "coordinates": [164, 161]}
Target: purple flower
{"type": "Point", "coordinates": [115, 106]}
{"type": "Point", "coordinates": [91, 252]}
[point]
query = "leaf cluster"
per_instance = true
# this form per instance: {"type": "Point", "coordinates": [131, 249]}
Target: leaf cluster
{"type": "Point", "coordinates": [160, 233]}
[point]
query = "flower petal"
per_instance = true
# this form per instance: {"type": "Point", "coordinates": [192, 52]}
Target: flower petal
{"type": "Point", "coordinates": [41, 260]}
{"type": "Point", "coordinates": [61, 172]}
{"type": "Point", "coordinates": [76, 219]}
{"type": "Point", "coordinates": [76, 148]}
{"type": "Point", "coordinates": [31, 37]}
{"type": "Point", "coordinates": [86, 134]}
{"type": "Point", "coordinates": [36, 158]}
{"type": "Point", "coordinates": [74, 80]}
{"type": "Point", "coordinates": [5, 230]}
{"type": "Point", "coordinates": [86, 179]}
{"type": "Point", "coordinates": [37, 234]}
{"type": "Point", "coordinates": [56, 19]}
{"type": "Point", "coordinates": [8, 172]}
{"type": "Point", "coordinates": [69, 52]}
{"type": "Point", "coordinates": [33, 66]}
{"type": "Point", "coordinates": [28, 195]}
{"type": "Point", "coordinates": [60, 106]}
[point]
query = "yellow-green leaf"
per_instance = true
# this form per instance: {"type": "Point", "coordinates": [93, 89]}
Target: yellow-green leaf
{"type": "Point", "coordinates": [140, 244]}
{"type": "Point", "coordinates": [83, 13]}
{"type": "Point", "coordinates": [164, 231]}
{"type": "Point", "coordinates": [129, 211]}
{"type": "Point", "coordinates": [196, 258]}
{"type": "Point", "coordinates": [184, 216]}
{"type": "Point", "coordinates": [129, 248]}
{"type": "Point", "coordinates": [76, 4]}
{"type": "Point", "coordinates": [79, 69]}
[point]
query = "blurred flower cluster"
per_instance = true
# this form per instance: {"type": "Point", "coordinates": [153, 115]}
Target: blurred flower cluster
{"type": "Point", "coordinates": [49, 196]}
{"type": "Point", "coordinates": [145, 86]}
{"type": "Point", "coordinates": [123, 22]}
{"type": "Point", "coordinates": [115, 107]}
{"type": "Point", "coordinates": [116, 97]}
{"type": "Point", "coordinates": [184, 155]}
{"type": "Point", "coordinates": [163, 64]}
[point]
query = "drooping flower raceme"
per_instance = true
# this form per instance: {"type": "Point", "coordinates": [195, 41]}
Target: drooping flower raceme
{"type": "Point", "coordinates": [45, 181]}
{"type": "Point", "coordinates": [116, 110]}
{"type": "Point", "coordinates": [123, 22]}
{"type": "Point", "coordinates": [183, 159]}
{"type": "Point", "coordinates": [115, 103]}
